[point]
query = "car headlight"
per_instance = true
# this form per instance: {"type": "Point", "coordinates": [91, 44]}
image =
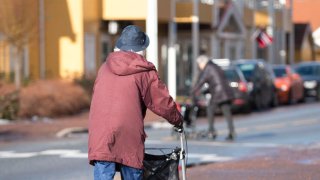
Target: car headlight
{"type": "Point", "coordinates": [310, 84]}
{"type": "Point", "coordinates": [284, 87]}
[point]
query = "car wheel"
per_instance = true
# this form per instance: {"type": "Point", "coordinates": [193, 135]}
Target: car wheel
{"type": "Point", "coordinates": [318, 93]}
{"type": "Point", "coordinates": [302, 99]}
{"type": "Point", "coordinates": [290, 98]}
{"type": "Point", "coordinates": [274, 101]}
{"type": "Point", "coordinates": [258, 103]}
{"type": "Point", "coordinates": [247, 109]}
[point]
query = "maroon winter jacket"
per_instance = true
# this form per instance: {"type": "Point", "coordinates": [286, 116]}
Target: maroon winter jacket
{"type": "Point", "coordinates": [126, 85]}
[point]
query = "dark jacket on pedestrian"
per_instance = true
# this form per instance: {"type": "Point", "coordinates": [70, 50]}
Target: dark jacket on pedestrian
{"type": "Point", "coordinates": [219, 87]}
{"type": "Point", "coordinates": [126, 85]}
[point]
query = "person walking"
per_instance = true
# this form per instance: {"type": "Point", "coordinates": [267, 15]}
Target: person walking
{"type": "Point", "coordinates": [126, 85]}
{"type": "Point", "coordinates": [221, 94]}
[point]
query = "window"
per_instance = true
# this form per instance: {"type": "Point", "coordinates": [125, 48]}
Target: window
{"type": "Point", "coordinates": [280, 72]}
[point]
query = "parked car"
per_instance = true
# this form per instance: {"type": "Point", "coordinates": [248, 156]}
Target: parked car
{"type": "Point", "coordinates": [237, 82]}
{"type": "Point", "coordinates": [310, 73]}
{"type": "Point", "coordinates": [261, 78]}
{"type": "Point", "coordinates": [240, 87]}
{"type": "Point", "coordinates": [289, 84]}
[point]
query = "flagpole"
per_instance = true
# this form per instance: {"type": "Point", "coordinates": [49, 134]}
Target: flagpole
{"type": "Point", "coordinates": [291, 45]}
{"type": "Point", "coordinates": [271, 26]}
{"type": "Point", "coordinates": [195, 39]}
{"type": "Point", "coordinates": [254, 44]}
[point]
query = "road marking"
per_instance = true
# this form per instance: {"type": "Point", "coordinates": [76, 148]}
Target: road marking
{"type": "Point", "coordinates": [161, 125]}
{"type": "Point", "coordinates": [63, 153]}
{"type": "Point", "coordinates": [305, 122]}
{"type": "Point", "coordinates": [271, 126]}
{"type": "Point", "coordinates": [4, 122]}
{"type": "Point", "coordinates": [75, 155]}
{"type": "Point", "coordinates": [209, 157]}
{"type": "Point", "coordinates": [67, 153]}
{"type": "Point", "coordinates": [58, 152]}
{"type": "Point", "coordinates": [12, 154]}
{"type": "Point", "coordinates": [242, 130]}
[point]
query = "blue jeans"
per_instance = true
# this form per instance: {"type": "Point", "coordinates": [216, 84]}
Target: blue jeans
{"type": "Point", "coordinates": [104, 170]}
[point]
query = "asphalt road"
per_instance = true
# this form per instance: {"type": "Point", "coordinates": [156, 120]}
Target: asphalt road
{"type": "Point", "coordinates": [257, 133]}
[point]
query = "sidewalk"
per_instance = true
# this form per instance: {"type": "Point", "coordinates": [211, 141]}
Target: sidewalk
{"type": "Point", "coordinates": [298, 164]}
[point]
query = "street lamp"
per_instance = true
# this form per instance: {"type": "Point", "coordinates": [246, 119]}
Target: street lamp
{"type": "Point", "coordinates": [113, 27]}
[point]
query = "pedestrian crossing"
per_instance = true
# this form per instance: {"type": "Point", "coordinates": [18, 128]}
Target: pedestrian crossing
{"type": "Point", "coordinates": [62, 153]}
{"type": "Point", "coordinates": [77, 154]}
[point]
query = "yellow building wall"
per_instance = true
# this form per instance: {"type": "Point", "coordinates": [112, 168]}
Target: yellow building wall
{"type": "Point", "coordinates": [33, 48]}
{"type": "Point", "coordinates": [261, 19]}
{"type": "Point", "coordinates": [184, 13]}
{"type": "Point", "coordinates": [34, 64]}
{"type": "Point", "coordinates": [64, 38]}
{"type": "Point", "coordinates": [124, 9]}
{"type": "Point", "coordinates": [4, 60]}
{"type": "Point", "coordinates": [133, 10]}
{"type": "Point", "coordinates": [71, 56]}
{"type": "Point", "coordinates": [92, 10]}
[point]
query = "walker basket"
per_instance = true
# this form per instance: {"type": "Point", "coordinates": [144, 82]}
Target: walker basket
{"type": "Point", "coordinates": [162, 167]}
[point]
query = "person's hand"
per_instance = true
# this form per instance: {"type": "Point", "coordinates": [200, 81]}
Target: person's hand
{"type": "Point", "coordinates": [179, 128]}
{"type": "Point", "coordinates": [194, 99]}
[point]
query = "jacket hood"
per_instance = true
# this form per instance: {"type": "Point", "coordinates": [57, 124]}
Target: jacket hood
{"type": "Point", "coordinates": [124, 63]}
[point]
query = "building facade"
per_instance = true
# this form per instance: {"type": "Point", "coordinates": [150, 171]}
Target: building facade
{"type": "Point", "coordinates": [74, 37]}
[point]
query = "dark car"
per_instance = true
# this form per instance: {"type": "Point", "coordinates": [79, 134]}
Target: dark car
{"type": "Point", "coordinates": [260, 76]}
{"type": "Point", "coordinates": [310, 73]}
{"type": "Point", "coordinates": [237, 82]}
{"type": "Point", "coordinates": [288, 83]}
{"type": "Point", "coordinates": [240, 87]}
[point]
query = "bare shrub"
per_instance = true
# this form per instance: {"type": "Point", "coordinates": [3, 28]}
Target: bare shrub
{"type": "Point", "coordinates": [6, 88]}
{"type": "Point", "coordinates": [52, 98]}
{"type": "Point", "coordinates": [9, 101]}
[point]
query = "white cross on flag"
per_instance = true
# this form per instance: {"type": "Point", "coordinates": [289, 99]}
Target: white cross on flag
{"type": "Point", "coordinates": [262, 38]}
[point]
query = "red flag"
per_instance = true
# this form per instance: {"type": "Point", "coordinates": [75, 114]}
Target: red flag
{"type": "Point", "coordinates": [264, 39]}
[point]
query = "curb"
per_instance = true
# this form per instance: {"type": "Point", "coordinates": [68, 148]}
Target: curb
{"type": "Point", "coordinates": [73, 130]}
{"type": "Point", "coordinates": [158, 124]}
{"type": "Point", "coordinates": [4, 122]}
{"type": "Point", "coordinates": [81, 130]}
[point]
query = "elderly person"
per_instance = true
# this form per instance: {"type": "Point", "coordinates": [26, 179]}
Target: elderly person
{"type": "Point", "coordinates": [126, 85]}
{"type": "Point", "coordinates": [221, 94]}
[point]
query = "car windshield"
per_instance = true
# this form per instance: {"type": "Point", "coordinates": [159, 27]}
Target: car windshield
{"type": "Point", "coordinates": [231, 75]}
{"type": "Point", "coordinates": [308, 70]}
{"type": "Point", "coordinates": [280, 72]}
{"type": "Point", "coordinates": [247, 70]}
